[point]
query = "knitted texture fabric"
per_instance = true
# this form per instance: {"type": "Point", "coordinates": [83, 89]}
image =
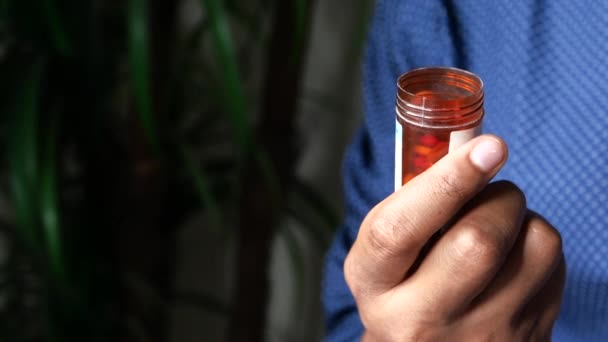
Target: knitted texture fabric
{"type": "Point", "coordinates": [545, 69]}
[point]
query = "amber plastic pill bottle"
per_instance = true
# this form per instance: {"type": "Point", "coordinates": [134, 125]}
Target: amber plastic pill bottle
{"type": "Point", "coordinates": [438, 109]}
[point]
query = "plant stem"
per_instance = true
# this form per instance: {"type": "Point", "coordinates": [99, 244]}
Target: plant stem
{"type": "Point", "coordinates": [259, 208]}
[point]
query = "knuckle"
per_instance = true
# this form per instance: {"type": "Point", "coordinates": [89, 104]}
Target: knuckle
{"type": "Point", "coordinates": [417, 333]}
{"type": "Point", "coordinates": [348, 271]}
{"type": "Point", "coordinates": [516, 194]}
{"type": "Point", "coordinates": [404, 330]}
{"type": "Point", "coordinates": [359, 286]}
{"type": "Point", "coordinates": [350, 276]}
{"type": "Point", "coordinates": [547, 239]}
{"type": "Point", "coordinates": [388, 235]}
{"type": "Point", "coordinates": [553, 241]}
{"type": "Point", "coordinates": [474, 244]}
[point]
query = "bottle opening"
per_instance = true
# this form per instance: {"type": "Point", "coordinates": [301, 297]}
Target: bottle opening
{"type": "Point", "coordinates": [440, 96]}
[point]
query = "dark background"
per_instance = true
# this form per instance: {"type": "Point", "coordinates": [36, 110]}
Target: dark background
{"type": "Point", "coordinates": [170, 169]}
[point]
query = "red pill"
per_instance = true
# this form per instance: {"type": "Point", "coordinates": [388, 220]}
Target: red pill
{"type": "Point", "coordinates": [422, 150]}
{"type": "Point", "coordinates": [422, 163]}
{"type": "Point", "coordinates": [440, 150]}
{"type": "Point", "coordinates": [428, 140]}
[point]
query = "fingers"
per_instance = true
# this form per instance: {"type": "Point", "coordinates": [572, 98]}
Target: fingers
{"type": "Point", "coordinates": [467, 257]}
{"type": "Point", "coordinates": [546, 305]}
{"type": "Point", "coordinates": [533, 260]}
{"type": "Point", "coordinates": [394, 232]}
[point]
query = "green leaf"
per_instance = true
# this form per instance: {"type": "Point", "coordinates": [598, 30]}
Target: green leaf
{"type": "Point", "coordinates": [203, 189]}
{"type": "Point", "coordinates": [59, 36]}
{"type": "Point", "coordinates": [233, 99]}
{"type": "Point", "coordinates": [49, 209]}
{"type": "Point", "coordinates": [233, 94]}
{"type": "Point", "coordinates": [140, 71]}
{"type": "Point", "coordinates": [23, 158]}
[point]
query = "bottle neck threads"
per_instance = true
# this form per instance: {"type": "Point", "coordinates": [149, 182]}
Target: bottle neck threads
{"type": "Point", "coordinates": [440, 97]}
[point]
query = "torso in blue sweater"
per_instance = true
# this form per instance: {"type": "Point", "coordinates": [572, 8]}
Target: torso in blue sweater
{"type": "Point", "coordinates": [545, 68]}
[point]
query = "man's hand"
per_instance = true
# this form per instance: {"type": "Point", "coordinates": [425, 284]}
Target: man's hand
{"type": "Point", "coordinates": [495, 274]}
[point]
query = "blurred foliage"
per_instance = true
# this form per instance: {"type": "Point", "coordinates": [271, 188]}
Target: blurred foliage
{"type": "Point", "coordinates": [120, 121]}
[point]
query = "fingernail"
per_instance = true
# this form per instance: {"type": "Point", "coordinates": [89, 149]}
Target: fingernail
{"type": "Point", "coordinates": [487, 154]}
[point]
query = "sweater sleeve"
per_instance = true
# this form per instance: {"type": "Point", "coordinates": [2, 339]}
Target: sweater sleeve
{"type": "Point", "coordinates": [403, 35]}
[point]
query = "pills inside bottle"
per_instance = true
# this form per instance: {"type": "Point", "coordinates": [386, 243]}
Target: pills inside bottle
{"type": "Point", "coordinates": [438, 109]}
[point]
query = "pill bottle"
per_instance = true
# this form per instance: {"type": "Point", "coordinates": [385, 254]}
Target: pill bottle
{"type": "Point", "coordinates": [438, 109]}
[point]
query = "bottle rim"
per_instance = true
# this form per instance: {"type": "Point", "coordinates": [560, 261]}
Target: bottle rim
{"type": "Point", "coordinates": [469, 99]}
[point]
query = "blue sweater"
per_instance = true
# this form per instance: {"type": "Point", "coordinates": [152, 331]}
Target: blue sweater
{"type": "Point", "coordinates": [545, 68]}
